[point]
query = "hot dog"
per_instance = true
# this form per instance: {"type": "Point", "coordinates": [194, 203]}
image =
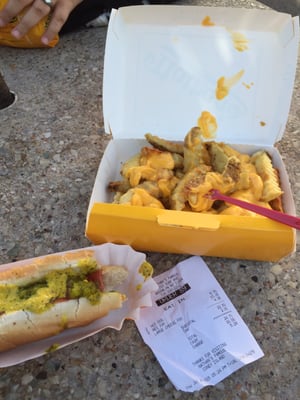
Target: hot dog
{"type": "Point", "coordinates": [54, 293]}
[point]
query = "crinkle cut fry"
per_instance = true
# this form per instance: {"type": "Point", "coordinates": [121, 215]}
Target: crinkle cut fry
{"type": "Point", "coordinates": [269, 175]}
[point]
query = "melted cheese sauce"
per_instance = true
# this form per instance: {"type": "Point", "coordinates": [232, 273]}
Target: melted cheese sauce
{"type": "Point", "coordinates": [224, 84]}
{"type": "Point", "coordinates": [240, 42]}
{"type": "Point", "coordinates": [207, 21]}
{"type": "Point", "coordinates": [208, 125]}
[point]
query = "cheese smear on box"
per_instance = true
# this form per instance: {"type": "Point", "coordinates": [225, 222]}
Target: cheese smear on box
{"type": "Point", "coordinates": [225, 84]}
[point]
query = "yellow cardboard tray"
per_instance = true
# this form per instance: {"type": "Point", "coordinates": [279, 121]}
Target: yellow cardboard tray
{"type": "Point", "coordinates": [160, 72]}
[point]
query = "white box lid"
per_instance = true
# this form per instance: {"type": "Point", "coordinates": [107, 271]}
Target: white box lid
{"type": "Point", "coordinates": [162, 65]}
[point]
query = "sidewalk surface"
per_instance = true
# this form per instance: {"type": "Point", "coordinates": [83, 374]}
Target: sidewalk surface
{"type": "Point", "coordinates": [51, 142]}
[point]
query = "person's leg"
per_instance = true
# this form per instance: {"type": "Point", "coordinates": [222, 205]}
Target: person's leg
{"type": "Point", "coordinates": [89, 10]}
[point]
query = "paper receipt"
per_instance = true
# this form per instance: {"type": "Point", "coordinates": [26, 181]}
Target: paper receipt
{"type": "Point", "coordinates": [194, 330]}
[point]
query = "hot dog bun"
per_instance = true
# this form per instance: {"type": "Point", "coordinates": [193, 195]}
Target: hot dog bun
{"type": "Point", "coordinates": [22, 326]}
{"type": "Point", "coordinates": [41, 266]}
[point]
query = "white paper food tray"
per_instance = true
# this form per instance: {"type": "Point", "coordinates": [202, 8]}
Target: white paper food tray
{"type": "Point", "coordinates": [136, 288]}
{"type": "Point", "coordinates": [160, 73]}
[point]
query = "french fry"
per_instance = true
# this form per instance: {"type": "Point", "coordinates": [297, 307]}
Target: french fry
{"type": "Point", "coordinates": [267, 172]}
{"type": "Point", "coordinates": [179, 176]}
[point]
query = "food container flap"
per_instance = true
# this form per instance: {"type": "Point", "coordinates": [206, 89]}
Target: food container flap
{"type": "Point", "coordinates": [163, 65]}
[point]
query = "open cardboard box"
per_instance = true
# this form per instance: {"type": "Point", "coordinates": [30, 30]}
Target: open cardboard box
{"type": "Point", "coordinates": [160, 72]}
